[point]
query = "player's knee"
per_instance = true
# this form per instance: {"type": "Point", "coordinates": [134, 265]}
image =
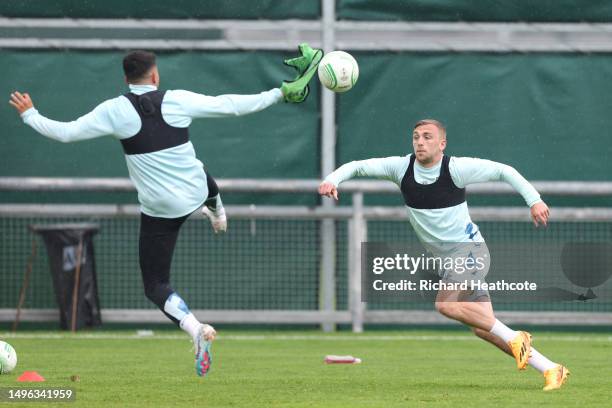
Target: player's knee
{"type": "Point", "coordinates": [448, 309]}
{"type": "Point", "coordinates": [156, 293]}
{"type": "Point", "coordinates": [453, 310]}
{"type": "Point", "coordinates": [149, 292]}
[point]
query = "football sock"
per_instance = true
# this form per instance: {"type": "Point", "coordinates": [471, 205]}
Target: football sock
{"type": "Point", "coordinates": [504, 332]}
{"type": "Point", "coordinates": [175, 307]}
{"type": "Point", "coordinates": [539, 362]}
{"type": "Point", "coordinates": [191, 325]}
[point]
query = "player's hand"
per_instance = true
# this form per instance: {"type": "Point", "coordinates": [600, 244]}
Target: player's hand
{"type": "Point", "coordinates": [540, 213]}
{"type": "Point", "coordinates": [297, 90]}
{"type": "Point", "coordinates": [328, 189]}
{"type": "Point", "coordinates": [301, 63]}
{"type": "Point", "coordinates": [21, 102]}
{"type": "Point", "coordinates": [294, 92]}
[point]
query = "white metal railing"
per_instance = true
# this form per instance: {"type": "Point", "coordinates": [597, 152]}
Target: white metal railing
{"type": "Point", "coordinates": [357, 215]}
{"type": "Point", "coordinates": [285, 34]}
{"type": "Point", "coordinates": [561, 188]}
{"type": "Point", "coordinates": [582, 214]}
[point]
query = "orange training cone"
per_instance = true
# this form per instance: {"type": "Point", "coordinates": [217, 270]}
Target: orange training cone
{"type": "Point", "coordinates": [30, 376]}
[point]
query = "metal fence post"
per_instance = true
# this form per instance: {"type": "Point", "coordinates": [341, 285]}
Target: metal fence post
{"type": "Point", "coordinates": [327, 287]}
{"type": "Point", "coordinates": [357, 235]}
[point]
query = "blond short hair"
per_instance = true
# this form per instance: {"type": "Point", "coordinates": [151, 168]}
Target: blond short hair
{"type": "Point", "coordinates": [434, 122]}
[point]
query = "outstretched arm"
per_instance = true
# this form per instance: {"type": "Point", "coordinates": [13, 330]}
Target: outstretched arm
{"type": "Point", "coordinates": [468, 170]}
{"type": "Point", "coordinates": [388, 168]}
{"type": "Point", "coordinates": [295, 91]}
{"type": "Point", "coordinates": [89, 126]}
{"type": "Point", "coordinates": [203, 106]}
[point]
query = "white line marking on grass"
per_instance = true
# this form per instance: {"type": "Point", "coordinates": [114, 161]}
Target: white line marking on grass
{"type": "Point", "coordinates": [282, 337]}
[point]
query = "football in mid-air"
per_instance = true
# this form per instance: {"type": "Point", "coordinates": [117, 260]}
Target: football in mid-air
{"type": "Point", "coordinates": [8, 358]}
{"type": "Point", "coordinates": [338, 71]}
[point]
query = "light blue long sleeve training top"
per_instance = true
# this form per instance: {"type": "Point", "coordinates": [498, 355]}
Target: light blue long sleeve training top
{"type": "Point", "coordinates": [442, 225]}
{"type": "Point", "coordinates": [171, 183]}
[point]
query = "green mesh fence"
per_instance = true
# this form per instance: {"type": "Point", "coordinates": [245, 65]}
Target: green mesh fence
{"type": "Point", "coordinates": [257, 265]}
{"type": "Point", "coordinates": [260, 264]}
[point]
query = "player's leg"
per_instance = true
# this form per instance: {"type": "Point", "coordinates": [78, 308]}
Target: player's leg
{"type": "Point", "coordinates": [213, 206]}
{"type": "Point", "coordinates": [480, 316]}
{"type": "Point", "coordinates": [475, 314]}
{"type": "Point", "coordinates": [156, 246]}
{"type": "Point", "coordinates": [493, 339]}
{"type": "Point", "coordinates": [505, 338]}
{"type": "Point", "coordinates": [501, 335]}
{"type": "Point", "coordinates": [157, 241]}
{"type": "Point", "coordinates": [554, 374]}
{"type": "Point", "coordinates": [486, 335]}
{"type": "Point", "coordinates": [473, 307]}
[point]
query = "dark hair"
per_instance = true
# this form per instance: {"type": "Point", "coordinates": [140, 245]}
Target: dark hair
{"type": "Point", "coordinates": [136, 64]}
{"type": "Point", "coordinates": [434, 122]}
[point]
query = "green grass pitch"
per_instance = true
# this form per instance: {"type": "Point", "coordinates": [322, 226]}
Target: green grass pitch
{"type": "Point", "coordinates": [403, 368]}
